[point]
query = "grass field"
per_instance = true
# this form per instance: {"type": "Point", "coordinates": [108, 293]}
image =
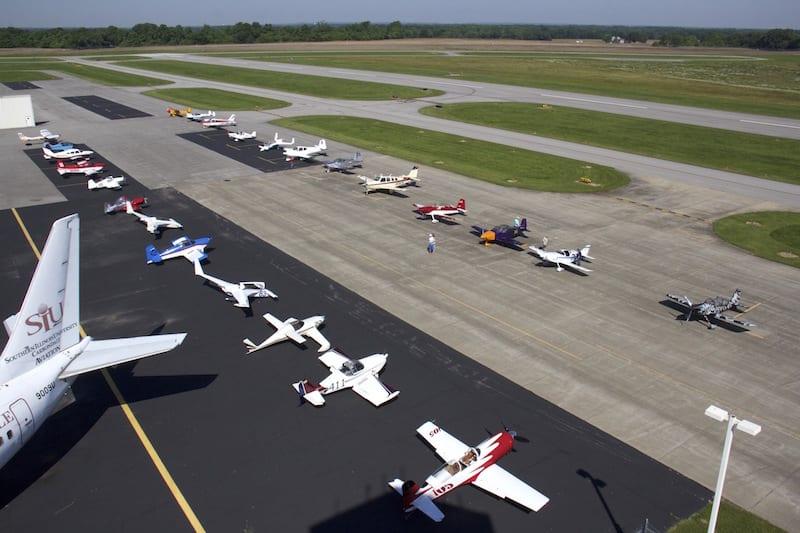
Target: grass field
{"type": "Point", "coordinates": [753, 155]}
{"type": "Point", "coordinates": [495, 163]}
{"type": "Point", "coordinates": [731, 519]}
{"type": "Point", "coordinates": [318, 86]}
{"type": "Point", "coordinates": [773, 235]}
{"type": "Point", "coordinates": [202, 98]}
{"type": "Point", "coordinates": [761, 84]}
{"type": "Point", "coordinates": [31, 69]}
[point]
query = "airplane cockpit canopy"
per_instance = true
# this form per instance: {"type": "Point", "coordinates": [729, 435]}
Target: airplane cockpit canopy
{"type": "Point", "coordinates": [351, 367]}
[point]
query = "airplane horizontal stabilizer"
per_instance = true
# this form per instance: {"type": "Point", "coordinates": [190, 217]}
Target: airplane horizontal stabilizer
{"type": "Point", "coordinates": [425, 504]}
{"type": "Point", "coordinates": [105, 353]}
{"type": "Point", "coordinates": [152, 254]}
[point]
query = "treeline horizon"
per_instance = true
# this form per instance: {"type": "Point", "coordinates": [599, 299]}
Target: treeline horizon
{"type": "Point", "coordinates": [149, 34]}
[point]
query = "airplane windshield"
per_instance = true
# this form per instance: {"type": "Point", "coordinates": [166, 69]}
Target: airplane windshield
{"type": "Point", "coordinates": [351, 367]}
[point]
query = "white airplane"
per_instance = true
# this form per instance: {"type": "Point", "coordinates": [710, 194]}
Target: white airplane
{"type": "Point", "coordinates": [361, 375]}
{"type": "Point", "coordinates": [44, 136]}
{"type": "Point", "coordinates": [110, 182]}
{"type": "Point", "coordinates": [197, 117]}
{"type": "Point", "coordinates": [306, 152]}
{"type": "Point", "coordinates": [277, 143]}
{"type": "Point", "coordinates": [465, 465]}
{"type": "Point", "coordinates": [293, 329]}
{"type": "Point", "coordinates": [70, 153]}
{"type": "Point", "coordinates": [214, 122]}
{"type": "Point", "coordinates": [239, 293]}
{"type": "Point", "coordinates": [154, 224]}
{"type": "Point", "coordinates": [241, 135]}
{"type": "Point", "coordinates": [387, 182]}
{"type": "Point", "coordinates": [564, 258]}
{"type": "Point", "coordinates": [45, 351]}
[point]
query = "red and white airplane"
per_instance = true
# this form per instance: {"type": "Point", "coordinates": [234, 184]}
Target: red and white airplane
{"type": "Point", "coordinates": [121, 204]}
{"type": "Point", "coordinates": [465, 465]}
{"type": "Point", "coordinates": [215, 122]}
{"type": "Point", "coordinates": [84, 166]}
{"type": "Point", "coordinates": [441, 211]}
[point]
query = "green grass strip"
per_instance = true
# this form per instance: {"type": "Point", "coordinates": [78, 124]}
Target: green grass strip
{"type": "Point", "coordinates": [773, 235]}
{"type": "Point", "coordinates": [730, 519]}
{"type": "Point", "coordinates": [24, 70]}
{"type": "Point", "coordinates": [753, 155]}
{"type": "Point", "coordinates": [319, 86]}
{"type": "Point", "coordinates": [495, 163]}
{"type": "Point", "coordinates": [201, 99]}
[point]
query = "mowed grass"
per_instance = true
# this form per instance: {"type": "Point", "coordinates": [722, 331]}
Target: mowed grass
{"type": "Point", "coordinates": [201, 99]}
{"type": "Point", "coordinates": [32, 70]}
{"type": "Point", "coordinates": [773, 235]}
{"type": "Point", "coordinates": [495, 163]}
{"type": "Point", "coordinates": [319, 86]}
{"type": "Point", "coordinates": [731, 519]}
{"type": "Point", "coordinates": [754, 155]}
{"type": "Point", "coordinates": [764, 84]}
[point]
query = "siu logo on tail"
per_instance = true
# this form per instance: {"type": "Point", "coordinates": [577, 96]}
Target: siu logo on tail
{"type": "Point", "coordinates": [44, 318]}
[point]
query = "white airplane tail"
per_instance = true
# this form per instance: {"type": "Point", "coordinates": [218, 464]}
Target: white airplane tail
{"type": "Point", "coordinates": [408, 490]}
{"type": "Point", "coordinates": [585, 251]}
{"type": "Point", "coordinates": [414, 173]}
{"type": "Point", "coordinates": [322, 145]}
{"type": "Point", "coordinates": [47, 325]}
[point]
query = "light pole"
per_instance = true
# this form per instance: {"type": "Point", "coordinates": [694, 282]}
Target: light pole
{"type": "Point", "coordinates": [733, 423]}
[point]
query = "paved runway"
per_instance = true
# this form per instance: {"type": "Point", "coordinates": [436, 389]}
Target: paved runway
{"type": "Point", "coordinates": [603, 347]}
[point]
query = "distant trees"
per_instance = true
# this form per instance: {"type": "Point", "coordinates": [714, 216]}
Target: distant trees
{"type": "Point", "coordinates": [148, 34]}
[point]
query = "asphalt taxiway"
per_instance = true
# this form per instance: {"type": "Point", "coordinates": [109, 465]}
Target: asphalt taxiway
{"type": "Point", "coordinates": [603, 347]}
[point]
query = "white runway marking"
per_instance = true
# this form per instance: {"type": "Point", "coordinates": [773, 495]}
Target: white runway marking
{"type": "Point", "coordinates": [771, 124]}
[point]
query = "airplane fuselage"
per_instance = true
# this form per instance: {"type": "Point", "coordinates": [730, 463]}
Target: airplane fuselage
{"type": "Point", "coordinates": [337, 380]}
{"type": "Point", "coordinates": [464, 471]}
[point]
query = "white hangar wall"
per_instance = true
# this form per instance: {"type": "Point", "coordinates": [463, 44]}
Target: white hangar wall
{"type": "Point", "coordinates": [16, 112]}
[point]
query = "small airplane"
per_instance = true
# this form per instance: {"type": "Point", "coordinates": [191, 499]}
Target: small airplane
{"type": "Point", "coordinates": [153, 224]}
{"type": "Point", "coordinates": [45, 352]}
{"type": "Point", "coordinates": [84, 166]}
{"type": "Point", "coordinates": [712, 308]}
{"type": "Point", "coordinates": [505, 234]}
{"type": "Point", "coordinates": [293, 329]}
{"type": "Point", "coordinates": [306, 152]}
{"type": "Point", "coordinates": [44, 136]}
{"type": "Point", "coordinates": [388, 182]}
{"type": "Point", "coordinates": [110, 182]}
{"type": "Point", "coordinates": [239, 293]}
{"type": "Point", "coordinates": [177, 112]}
{"type": "Point", "coordinates": [442, 211]}
{"type": "Point", "coordinates": [361, 375]}
{"type": "Point", "coordinates": [197, 117]}
{"type": "Point", "coordinates": [276, 143]}
{"type": "Point", "coordinates": [564, 258]}
{"type": "Point", "coordinates": [241, 135]}
{"type": "Point", "coordinates": [52, 152]}
{"type": "Point", "coordinates": [214, 122]}
{"type": "Point", "coordinates": [465, 465]}
{"type": "Point", "coordinates": [191, 249]}
{"type": "Point", "coordinates": [343, 164]}
{"type": "Point", "coordinates": [120, 205]}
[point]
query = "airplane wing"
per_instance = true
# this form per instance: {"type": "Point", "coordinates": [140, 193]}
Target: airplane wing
{"type": "Point", "coordinates": [570, 264]}
{"type": "Point", "coordinates": [333, 360]}
{"type": "Point", "coordinates": [374, 391]}
{"type": "Point", "coordinates": [194, 254]}
{"type": "Point", "coordinates": [503, 484]}
{"type": "Point", "coordinates": [324, 344]}
{"type": "Point", "coordinates": [444, 444]}
{"type": "Point", "coordinates": [683, 300]}
{"type": "Point", "coordinates": [241, 298]}
{"type": "Point", "coordinates": [277, 324]}
{"type": "Point", "coordinates": [101, 354]}
{"type": "Point", "coordinates": [736, 321]}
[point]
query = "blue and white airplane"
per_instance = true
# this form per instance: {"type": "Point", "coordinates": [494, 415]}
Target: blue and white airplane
{"type": "Point", "coordinates": [192, 249]}
{"type": "Point", "coordinates": [45, 351]}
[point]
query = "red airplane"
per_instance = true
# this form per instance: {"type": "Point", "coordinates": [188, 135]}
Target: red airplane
{"type": "Point", "coordinates": [442, 212]}
{"type": "Point", "coordinates": [467, 465]}
{"type": "Point", "coordinates": [120, 205]}
{"type": "Point", "coordinates": [84, 167]}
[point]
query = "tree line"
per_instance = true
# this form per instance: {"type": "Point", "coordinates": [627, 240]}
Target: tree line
{"type": "Point", "coordinates": [148, 34]}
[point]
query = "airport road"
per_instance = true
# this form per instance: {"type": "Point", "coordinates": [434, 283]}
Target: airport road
{"type": "Point", "coordinates": [603, 347]}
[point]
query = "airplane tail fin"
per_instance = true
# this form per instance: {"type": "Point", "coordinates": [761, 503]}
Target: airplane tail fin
{"type": "Point", "coordinates": [22, 137]}
{"type": "Point", "coordinates": [414, 173]}
{"type": "Point", "coordinates": [47, 322]}
{"type": "Point", "coordinates": [251, 346]}
{"type": "Point", "coordinates": [357, 158]}
{"type": "Point", "coordinates": [152, 254]}
{"type": "Point", "coordinates": [232, 118]}
{"type": "Point", "coordinates": [408, 489]}
{"type": "Point", "coordinates": [322, 145]}
{"type": "Point", "coordinates": [523, 225]}
{"type": "Point", "coordinates": [585, 251]}
{"type": "Point", "coordinates": [462, 205]}
{"type": "Point", "coordinates": [310, 392]}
